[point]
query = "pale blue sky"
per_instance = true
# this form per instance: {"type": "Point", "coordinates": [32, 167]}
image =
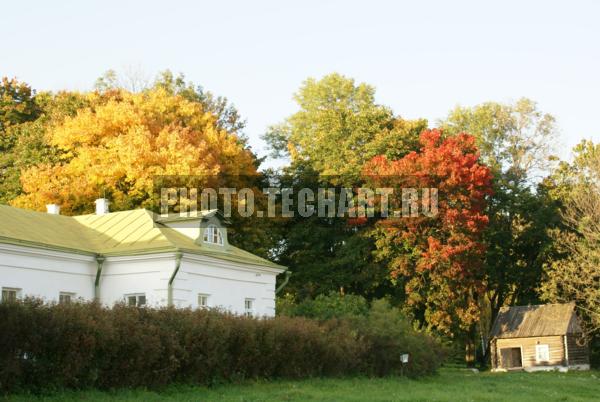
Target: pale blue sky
{"type": "Point", "coordinates": [424, 57]}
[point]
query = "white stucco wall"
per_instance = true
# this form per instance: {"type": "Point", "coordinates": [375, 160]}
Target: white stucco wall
{"type": "Point", "coordinates": [228, 284]}
{"type": "Point", "coordinates": [148, 274]}
{"type": "Point", "coordinates": [45, 273]}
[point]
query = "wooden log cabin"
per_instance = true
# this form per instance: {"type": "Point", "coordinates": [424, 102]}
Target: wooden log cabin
{"type": "Point", "coordinates": [544, 337]}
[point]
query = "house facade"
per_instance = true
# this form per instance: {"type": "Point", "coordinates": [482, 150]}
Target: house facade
{"type": "Point", "coordinates": [543, 337]}
{"type": "Point", "coordinates": [135, 257]}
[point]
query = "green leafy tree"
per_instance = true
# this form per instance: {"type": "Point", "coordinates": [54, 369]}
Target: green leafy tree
{"type": "Point", "coordinates": [515, 140]}
{"type": "Point", "coordinates": [339, 127]}
{"type": "Point", "coordinates": [17, 103]}
{"type": "Point", "coordinates": [17, 106]}
{"type": "Point", "coordinates": [327, 254]}
{"type": "Point", "coordinates": [575, 274]}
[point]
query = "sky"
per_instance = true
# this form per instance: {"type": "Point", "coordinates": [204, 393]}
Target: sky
{"type": "Point", "coordinates": [423, 57]}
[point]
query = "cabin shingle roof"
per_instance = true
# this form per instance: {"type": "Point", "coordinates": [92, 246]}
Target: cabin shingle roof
{"type": "Point", "coordinates": [540, 320]}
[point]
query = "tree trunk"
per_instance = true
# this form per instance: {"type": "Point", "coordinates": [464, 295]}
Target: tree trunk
{"type": "Point", "coordinates": [470, 353]}
{"type": "Point", "coordinates": [471, 347]}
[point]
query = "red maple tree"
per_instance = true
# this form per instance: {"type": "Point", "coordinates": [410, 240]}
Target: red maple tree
{"type": "Point", "coordinates": [438, 259]}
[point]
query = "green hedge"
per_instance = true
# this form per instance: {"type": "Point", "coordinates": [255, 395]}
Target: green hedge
{"type": "Point", "coordinates": [81, 345]}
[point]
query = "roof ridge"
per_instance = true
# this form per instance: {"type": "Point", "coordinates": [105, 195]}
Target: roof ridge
{"type": "Point", "coordinates": [539, 305]}
{"type": "Point", "coordinates": [33, 211]}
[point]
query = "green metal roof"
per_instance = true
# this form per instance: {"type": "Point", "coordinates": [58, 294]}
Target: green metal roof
{"type": "Point", "coordinates": [118, 233]}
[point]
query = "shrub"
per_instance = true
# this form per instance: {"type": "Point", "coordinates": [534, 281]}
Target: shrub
{"type": "Point", "coordinates": [80, 345]}
{"type": "Point", "coordinates": [385, 330]}
{"type": "Point", "coordinates": [391, 334]}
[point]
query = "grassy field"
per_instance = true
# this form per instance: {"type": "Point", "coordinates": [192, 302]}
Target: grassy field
{"type": "Point", "coordinates": [450, 385]}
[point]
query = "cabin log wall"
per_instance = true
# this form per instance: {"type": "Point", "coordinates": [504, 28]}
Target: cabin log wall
{"type": "Point", "coordinates": [527, 345]}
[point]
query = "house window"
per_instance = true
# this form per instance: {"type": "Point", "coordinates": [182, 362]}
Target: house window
{"type": "Point", "coordinates": [203, 300]}
{"type": "Point", "coordinates": [542, 353]}
{"type": "Point", "coordinates": [65, 297]}
{"type": "Point", "coordinates": [136, 300]}
{"type": "Point", "coordinates": [249, 307]}
{"type": "Point", "coordinates": [10, 294]}
{"type": "Point", "coordinates": [212, 234]}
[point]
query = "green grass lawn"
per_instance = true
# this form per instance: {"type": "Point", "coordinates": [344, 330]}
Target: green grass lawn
{"type": "Point", "coordinates": [450, 385]}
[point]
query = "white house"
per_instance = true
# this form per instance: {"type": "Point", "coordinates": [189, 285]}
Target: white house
{"type": "Point", "coordinates": [134, 257]}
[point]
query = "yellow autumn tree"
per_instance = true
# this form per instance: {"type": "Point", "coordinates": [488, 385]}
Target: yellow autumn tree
{"type": "Point", "coordinates": [122, 142]}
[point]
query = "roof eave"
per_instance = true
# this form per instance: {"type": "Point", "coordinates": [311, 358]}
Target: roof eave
{"type": "Point", "coordinates": [44, 246]}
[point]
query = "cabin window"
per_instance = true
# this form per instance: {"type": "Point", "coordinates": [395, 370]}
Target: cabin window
{"type": "Point", "coordinates": [66, 297]}
{"type": "Point", "coordinates": [542, 353]}
{"type": "Point", "coordinates": [10, 294]}
{"type": "Point", "coordinates": [249, 307]}
{"type": "Point", "coordinates": [203, 300]}
{"type": "Point", "coordinates": [213, 235]}
{"type": "Point", "coordinates": [136, 300]}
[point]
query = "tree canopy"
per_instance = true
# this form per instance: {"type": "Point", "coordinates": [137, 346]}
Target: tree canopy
{"type": "Point", "coordinates": [575, 274]}
{"type": "Point", "coordinates": [339, 127]}
{"type": "Point", "coordinates": [439, 258]}
{"type": "Point", "coordinates": [121, 141]}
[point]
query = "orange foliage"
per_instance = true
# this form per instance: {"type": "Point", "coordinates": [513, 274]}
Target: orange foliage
{"type": "Point", "coordinates": [119, 144]}
{"type": "Point", "coordinates": [439, 259]}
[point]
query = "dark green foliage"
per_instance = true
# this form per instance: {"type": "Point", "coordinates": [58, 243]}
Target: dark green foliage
{"type": "Point", "coordinates": [595, 351]}
{"type": "Point", "coordinates": [328, 254]}
{"type": "Point", "coordinates": [388, 331]}
{"type": "Point", "coordinates": [324, 307]}
{"type": "Point", "coordinates": [390, 334]}
{"type": "Point", "coordinates": [17, 107]}
{"type": "Point", "coordinates": [17, 103]}
{"type": "Point", "coordinates": [81, 345]}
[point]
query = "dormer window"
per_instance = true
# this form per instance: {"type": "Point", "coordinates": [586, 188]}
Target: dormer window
{"type": "Point", "coordinates": [213, 235]}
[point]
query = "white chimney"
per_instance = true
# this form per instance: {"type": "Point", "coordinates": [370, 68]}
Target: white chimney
{"type": "Point", "coordinates": [101, 206]}
{"type": "Point", "coordinates": [53, 209]}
